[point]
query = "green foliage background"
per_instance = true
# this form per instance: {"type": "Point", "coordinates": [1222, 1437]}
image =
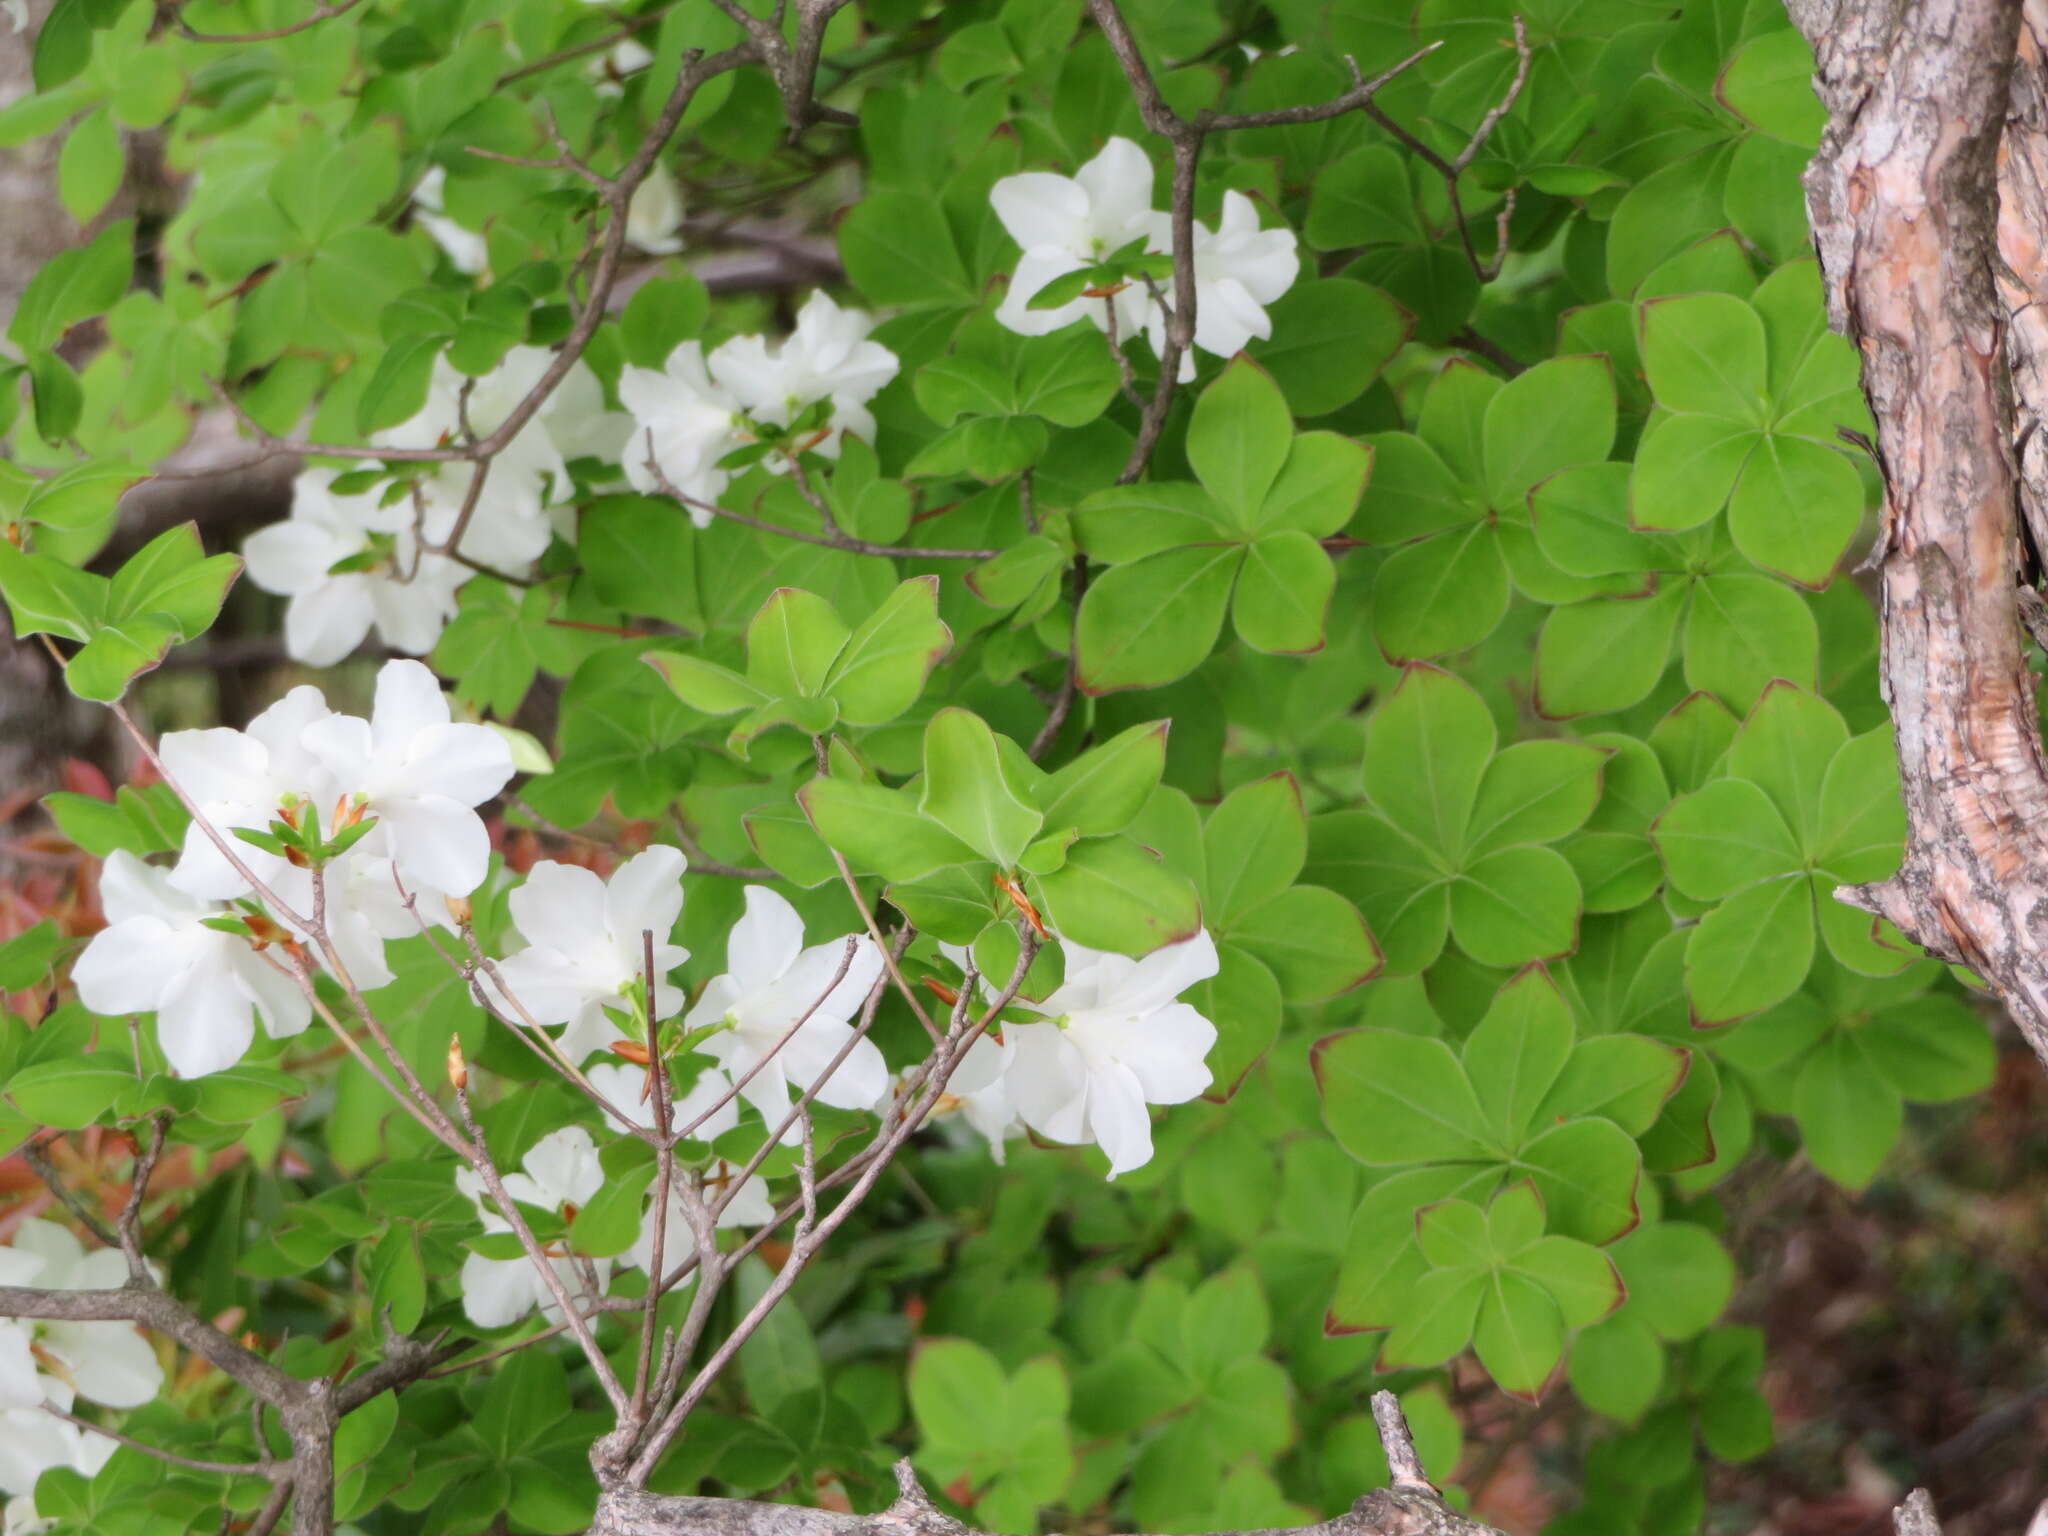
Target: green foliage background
{"type": "Point", "coordinates": [1562, 731]}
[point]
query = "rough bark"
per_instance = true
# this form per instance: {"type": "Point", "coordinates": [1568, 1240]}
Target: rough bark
{"type": "Point", "coordinates": [1904, 201]}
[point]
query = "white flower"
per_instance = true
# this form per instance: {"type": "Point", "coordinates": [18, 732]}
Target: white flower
{"type": "Point", "coordinates": [980, 1085]}
{"type": "Point", "coordinates": [509, 527]}
{"type": "Point", "coordinates": [1239, 269]}
{"type": "Point", "coordinates": [1117, 1041]}
{"type": "Point", "coordinates": [586, 948]}
{"type": "Point", "coordinates": [684, 422]}
{"type": "Point", "coordinates": [827, 357]}
{"type": "Point", "coordinates": [390, 584]}
{"type": "Point", "coordinates": [419, 775]}
{"type": "Point", "coordinates": [467, 250]}
{"type": "Point", "coordinates": [654, 218]}
{"type": "Point", "coordinates": [748, 1207]}
{"type": "Point", "coordinates": [105, 1362]}
{"type": "Point", "coordinates": [771, 982]}
{"type": "Point", "coordinates": [625, 1088]}
{"type": "Point", "coordinates": [205, 987]}
{"type": "Point", "coordinates": [561, 1170]}
{"type": "Point", "coordinates": [31, 1443]}
{"type": "Point", "coordinates": [239, 779]}
{"type": "Point", "coordinates": [1064, 223]}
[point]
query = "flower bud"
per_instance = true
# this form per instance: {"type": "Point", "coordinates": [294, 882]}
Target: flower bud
{"type": "Point", "coordinates": [458, 1066]}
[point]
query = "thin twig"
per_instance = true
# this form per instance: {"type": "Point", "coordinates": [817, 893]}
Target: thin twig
{"type": "Point", "coordinates": [265, 1469]}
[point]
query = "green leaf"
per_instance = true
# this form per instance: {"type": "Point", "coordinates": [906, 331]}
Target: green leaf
{"type": "Point", "coordinates": [1745, 632]}
{"type": "Point", "coordinates": [1751, 951]}
{"type": "Point", "coordinates": [74, 285]}
{"type": "Point", "coordinates": [1393, 1098]}
{"type": "Point", "coordinates": [1254, 844]}
{"type": "Point", "coordinates": [1679, 1277]}
{"type": "Point", "coordinates": [1849, 1116]}
{"type": "Point", "coordinates": [80, 498]}
{"type": "Point", "coordinates": [663, 313]}
{"type": "Point", "coordinates": [1443, 595]}
{"type": "Point", "coordinates": [1595, 657]}
{"type": "Point", "coordinates": [882, 668]}
{"type": "Point", "coordinates": [1580, 1278]}
{"type": "Point", "coordinates": [880, 830]}
{"type": "Point", "coordinates": [1313, 939]}
{"type": "Point", "coordinates": [1519, 1334]}
{"type": "Point", "coordinates": [63, 44]}
{"type": "Point", "coordinates": [972, 789]}
{"type": "Point", "coordinates": [1331, 337]}
{"type": "Point", "coordinates": [898, 250]}
{"type": "Point", "coordinates": [26, 958]}
{"type": "Point", "coordinates": [172, 578]}
{"type": "Point", "coordinates": [1686, 468]}
{"type": "Point", "coordinates": [1111, 894]}
{"type": "Point", "coordinates": [1238, 438]}
{"type": "Point", "coordinates": [1535, 792]}
{"type": "Point", "coordinates": [48, 597]}
{"type": "Point", "coordinates": [1516, 905]}
{"type": "Point", "coordinates": [1724, 837]}
{"type": "Point", "coordinates": [1146, 624]}
{"type": "Point", "coordinates": [73, 1092]}
{"type": "Point", "coordinates": [90, 167]}
{"type": "Point", "coordinates": [1769, 82]}
{"type": "Point", "coordinates": [1704, 353]}
{"type": "Point", "coordinates": [1796, 508]}
{"type": "Point", "coordinates": [1586, 1171]}
{"type": "Point", "coordinates": [1557, 414]}
{"type": "Point", "coordinates": [1426, 750]}
{"type": "Point", "coordinates": [1282, 600]}
{"type": "Point", "coordinates": [792, 643]}
{"type": "Point", "coordinates": [1515, 1055]}
{"type": "Point", "coordinates": [1103, 789]}
{"type": "Point", "coordinates": [1319, 485]}
{"type": "Point", "coordinates": [1623, 1078]}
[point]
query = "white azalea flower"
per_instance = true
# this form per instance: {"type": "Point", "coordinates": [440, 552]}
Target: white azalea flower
{"type": "Point", "coordinates": [509, 528]}
{"type": "Point", "coordinates": [827, 357]}
{"type": "Point", "coordinates": [1115, 1042]}
{"type": "Point", "coordinates": [1239, 269]}
{"type": "Point", "coordinates": [390, 584]}
{"type": "Point", "coordinates": [206, 987]}
{"type": "Point", "coordinates": [586, 950]}
{"type": "Point", "coordinates": [625, 1087]}
{"type": "Point", "coordinates": [980, 1085]}
{"type": "Point", "coordinates": [684, 422]}
{"type": "Point", "coordinates": [420, 775]}
{"type": "Point", "coordinates": [1064, 223]}
{"type": "Point", "coordinates": [467, 250]}
{"type": "Point", "coordinates": [654, 218]}
{"type": "Point", "coordinates": [749, 1206]}
{"type": "Point", "coordinates": [561, 1170]}
{"type": "Point", "coordinates": [105, 1362]}
{"type": "Point", "coordinates": [31, 1443]}
{"type": "Point", "coordinates": [240, 779]}
{"type": "Point", "coordinates": [771, 981]}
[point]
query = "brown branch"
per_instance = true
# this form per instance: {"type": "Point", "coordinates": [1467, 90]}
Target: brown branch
{"type": "Point", "coordinates": [1409, 1508]}
{"type": "Point", "coordinates": [1903, 198]}
{"type": "Point", "coordinates": [327, 10]}
{"type": "Point", "coordinates": [164, 1314]}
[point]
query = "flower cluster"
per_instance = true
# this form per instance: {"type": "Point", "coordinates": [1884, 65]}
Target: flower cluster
{"type": "Point", "coordinates": [1068, 224]}
{"type": "Point", "coordinates": [695, 411]}
{"type": "Point", "coordinates": [1112, 1039]}
{"type": "Point", "coordinates": [364, 552]}
{"type": "Point", "coordinates": [192, 944]}
{"type": "Point", "coordinates": [57, 1363]}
